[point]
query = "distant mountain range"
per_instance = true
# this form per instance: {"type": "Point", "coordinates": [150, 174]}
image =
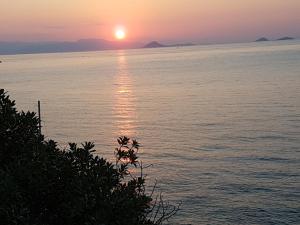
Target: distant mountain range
{"type": "Point", "coordinates": [279, 39]}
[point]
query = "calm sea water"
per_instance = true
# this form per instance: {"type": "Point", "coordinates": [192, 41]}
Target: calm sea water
{"type": "Point", "coordinates": [220, 123]}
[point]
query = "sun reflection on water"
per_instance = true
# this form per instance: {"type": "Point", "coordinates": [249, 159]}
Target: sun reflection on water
{"type": "Point", "coordinates": [125, 100]}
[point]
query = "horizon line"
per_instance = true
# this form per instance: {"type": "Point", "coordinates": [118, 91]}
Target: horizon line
{"type": "Point", "coordinates": [178, 44]}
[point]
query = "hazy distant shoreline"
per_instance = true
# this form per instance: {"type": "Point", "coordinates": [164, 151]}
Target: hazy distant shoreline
{"type": "Point", "coordinates": [83, 45]}
{"type": "Point", "coordinates": [89, 45]}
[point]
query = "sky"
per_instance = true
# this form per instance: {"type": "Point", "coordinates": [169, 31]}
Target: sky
{"type": "Point", "coordinates": [198, 21]}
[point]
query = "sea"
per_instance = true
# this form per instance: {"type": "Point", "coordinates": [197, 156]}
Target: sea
{"type": "Point", "coordinates": [219, 125]}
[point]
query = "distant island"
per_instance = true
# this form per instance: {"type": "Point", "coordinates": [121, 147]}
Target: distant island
{"type": "Point", "coordinates": [156, 44]}
{"type": "Point", "coordinates": [262, 39]}
{"type": "Point", "coordinates": [285, 39]}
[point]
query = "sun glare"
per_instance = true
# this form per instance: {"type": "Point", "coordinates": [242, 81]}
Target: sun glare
{"type": "Point", "coordinates": [120, 33]}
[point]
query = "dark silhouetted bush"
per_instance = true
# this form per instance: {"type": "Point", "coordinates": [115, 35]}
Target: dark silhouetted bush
{"type": "Point", "coordinates": [41, 184]}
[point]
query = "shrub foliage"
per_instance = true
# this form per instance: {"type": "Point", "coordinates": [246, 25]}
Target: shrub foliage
{"type": "Point", "coordinates": [41, 184]}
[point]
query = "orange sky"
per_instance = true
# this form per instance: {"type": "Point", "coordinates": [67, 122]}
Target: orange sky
{"type": "Point", "coordinates": [200, 21]}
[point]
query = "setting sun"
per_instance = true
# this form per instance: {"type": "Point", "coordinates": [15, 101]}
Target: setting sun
{"type": "Point", "coordinates": [120, 33]}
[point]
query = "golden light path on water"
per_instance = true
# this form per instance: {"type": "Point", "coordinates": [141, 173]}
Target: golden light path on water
{"type": "Point", "coordinates": [124, 109]}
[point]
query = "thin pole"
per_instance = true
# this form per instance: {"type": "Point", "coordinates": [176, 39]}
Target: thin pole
{"type": "Point", "coordinates": [39, 112]}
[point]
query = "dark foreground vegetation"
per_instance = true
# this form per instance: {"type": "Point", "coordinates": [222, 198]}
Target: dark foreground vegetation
{"type": "Point", "coordinates": [41, 184]}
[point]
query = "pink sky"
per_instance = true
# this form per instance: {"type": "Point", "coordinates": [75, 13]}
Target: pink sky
{"type": "Point", "coordinates": [199, 21]}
